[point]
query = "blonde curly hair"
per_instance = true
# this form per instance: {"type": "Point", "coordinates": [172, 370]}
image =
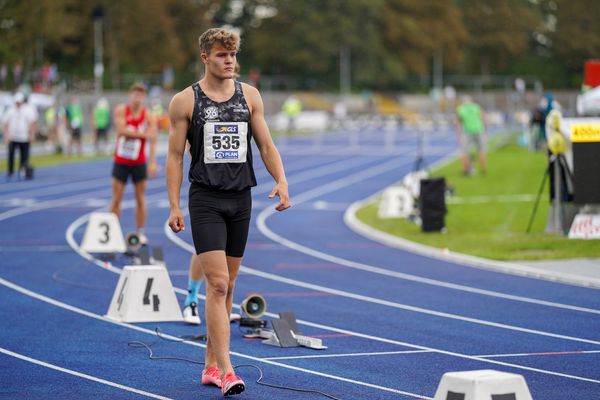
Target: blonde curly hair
{"type": "Point", "coordinates": [228, 39]}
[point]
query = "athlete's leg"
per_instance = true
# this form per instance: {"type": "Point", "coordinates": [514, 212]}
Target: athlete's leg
{"type": "Point", "coordinates": [190, 305]}
{"type": "Point", "coordinates": [482, 162]}
{"type": "Point", "coordinates": [233, 267]}
{"type": "Point", "coordinates": [464, 157]}
{"type": "Point", "coordinates": [23, 156]}
{"type": "Point", "coordinates": [140, 201]}
{"type": "Point", "coordinates": [194, 279]}
{"type": "Point", "coordinates": [216, 273]}
{"type": "Point", "coordinates": [12, 147]}
{"type": "Point", "coordinates": [118, 187]}
{"type": "Point", "coordinates": [481, 151]}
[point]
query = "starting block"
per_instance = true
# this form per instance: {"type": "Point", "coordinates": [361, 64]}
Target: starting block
{"type": "Point", "coordinates": [144, 257]}
{"type": "Point", "coordinates": [134, 242]}
{"type": "Point", "coordinates": [144, 293]}
{"type": "Point", "coordinates": [396, 202]}
{"type": "Point", "coordinates": [103, 234]}
{"type": "Point", "coordinates": [482, 384]}
{"type": "Point", "coordinates": [286, 334]}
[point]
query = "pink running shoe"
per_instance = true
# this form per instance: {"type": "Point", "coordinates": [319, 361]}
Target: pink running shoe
{"type": "Point", "coordinates": [211, 376]}
{"type": "Point", "coordinates": [232, 384]}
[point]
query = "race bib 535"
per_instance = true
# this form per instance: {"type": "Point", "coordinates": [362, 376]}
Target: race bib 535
{"type": "Point", "coordinates": [225, 142]}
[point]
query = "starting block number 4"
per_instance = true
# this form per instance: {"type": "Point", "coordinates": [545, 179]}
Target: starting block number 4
{"type": "Point", "coordinates": [144, 294]}
{"type": "Point", "coordinates": [103, 234]}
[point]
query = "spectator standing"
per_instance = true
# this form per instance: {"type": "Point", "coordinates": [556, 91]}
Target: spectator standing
{"type": "Point", "coordinates": [471, 134]}
{"type": "Point", "coordinates": [20, 123]}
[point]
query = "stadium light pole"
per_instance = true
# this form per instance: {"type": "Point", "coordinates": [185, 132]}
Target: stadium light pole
{"type": "Point", "coordinates": [97, 16]}
{"type": "Point", "coordinates": [438, 70]}
{"type": "Point", "coordinates": [345, 72]}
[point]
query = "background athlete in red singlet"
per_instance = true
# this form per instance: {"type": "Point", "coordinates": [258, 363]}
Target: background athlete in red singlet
{"type": "Point", "coordinates": [136, 128]}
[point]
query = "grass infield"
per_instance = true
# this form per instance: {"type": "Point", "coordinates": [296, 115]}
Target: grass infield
{"type": "Point", "coordinates": [488, 215]}
{"type": "Point", "coordinates": [47, 160]}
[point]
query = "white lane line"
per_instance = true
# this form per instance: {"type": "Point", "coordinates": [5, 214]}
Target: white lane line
{"type": "Point", "coordinates": [53, 188]}
{"type": "Point", "coordinates": [22, 197]}
{"type": "Point", "coordinates": [265, 188]}
{"type": "Point", "coordinates": [511, 198]}
{"type": "Point", "coordinates": [140, 329]}
{"type": "Point", "coordinates": [376, 353]}
{"type": "Point", "coordinates": [547, 353]}
{"type": "Point", "coordinates": [190, 248]}
{"type": "Point", "coordinates": [406, 307]}
{"type": "Point", "coordinates": [58, 188]}
{"type": "Point", "coordinates": [89, 314]}
{"type": "Point", "coordinates": [81, 375]}
{"type": "Point", "coordinates": [68, 200]}
{"type": "Point", "coordinates": [337, 166]}
{"type": "Point", "coordinates": [463, 259]}
{"type": "Point", "coordinates": [350, 180]}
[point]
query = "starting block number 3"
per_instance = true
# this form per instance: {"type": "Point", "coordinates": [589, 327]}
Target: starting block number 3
{"type": "Point", "coordinates": [103, 234]}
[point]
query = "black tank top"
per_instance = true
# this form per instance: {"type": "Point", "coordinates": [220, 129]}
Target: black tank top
{"type": "Point", "coordinates": [220, 138]}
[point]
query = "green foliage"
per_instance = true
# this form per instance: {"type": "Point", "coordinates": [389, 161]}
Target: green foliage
{"type": "Point", "coordinates": [498, 30]}
{"type": "Point", "coordinates": [389, 41]}
{"type": "Point", "coordinates": [139, 35]}
{"type": "Point", "coordinates": [415, 30]}
{"type": "Point", "coordinates": [576, 36]}
{"type": "Point", "coordinates": [315, 32]}
{"type": "Point", "coordinates": [495, 229]}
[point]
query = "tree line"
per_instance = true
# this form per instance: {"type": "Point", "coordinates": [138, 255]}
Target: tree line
{"type": "Point", "coordinates": [384, 44]}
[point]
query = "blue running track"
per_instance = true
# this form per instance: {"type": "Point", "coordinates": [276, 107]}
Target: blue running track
{"type": "Point", "coordinates": [394, 322]}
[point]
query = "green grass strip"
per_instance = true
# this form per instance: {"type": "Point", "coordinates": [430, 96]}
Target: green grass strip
{"type": "Point", "coordinates": [48, 160]}
{"type": "Point", "coordinates": [488, 217]}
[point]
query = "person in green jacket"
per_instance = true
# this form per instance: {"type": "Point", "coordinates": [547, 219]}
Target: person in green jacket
{"type": "Point", "coordinates": [470, 129]}
{"type": "Point", "coordinates": [53, 117]}
{"type": "Point", "coordinates": [292, 106]}
{"type": "Point", "coordinates": [101, 124]}
{"type": "Point", "coordinates": [75, 123]}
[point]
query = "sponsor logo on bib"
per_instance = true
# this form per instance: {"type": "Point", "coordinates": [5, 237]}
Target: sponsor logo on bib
{"type": "Point", "coordinates": [226, 155]}
{"type": "Point", "coordinates": [226, 129]}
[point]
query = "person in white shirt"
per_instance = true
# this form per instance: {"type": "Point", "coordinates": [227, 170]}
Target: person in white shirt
{"type": "Point", "coordinates": [19, 124]}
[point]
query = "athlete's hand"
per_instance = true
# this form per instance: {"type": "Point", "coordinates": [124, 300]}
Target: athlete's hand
{"type": "Point", "coordinates": [152, 170]}
{"type": "Point", "coordinates": [176, 222]}
{"type": "Point", "coordinates": [281, 190]}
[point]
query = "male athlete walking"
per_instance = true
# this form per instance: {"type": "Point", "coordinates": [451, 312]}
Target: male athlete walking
{"type": "Point", "coordinates": [219, 116]}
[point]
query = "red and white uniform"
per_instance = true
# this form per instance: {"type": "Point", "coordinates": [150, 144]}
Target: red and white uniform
{"type": "Point", "coordinates": [132, 151]}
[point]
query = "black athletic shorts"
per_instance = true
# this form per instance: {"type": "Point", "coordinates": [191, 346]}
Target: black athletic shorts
{"type": "Point", "coordinates": [76, 133]}
{"type": "Point", "coordinates": [122, 172]}
{"type": "Point", "coordinates": [219, 220]}
{"type": "Point", "coordinates": [101, 133]}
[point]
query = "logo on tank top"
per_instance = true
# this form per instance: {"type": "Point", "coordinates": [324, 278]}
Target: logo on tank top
{"type": "Point", "coordinates": [211, 112]}
{"type": "Point", "coordinates": [239, 108]}
{"type": "Point", "coordinates": [226, 129]}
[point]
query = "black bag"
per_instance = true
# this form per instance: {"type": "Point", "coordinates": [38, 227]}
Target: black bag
{"type": "Point", "coordinates": [28, 172]}
{"type": "Point", "coordinates": [432, 203]}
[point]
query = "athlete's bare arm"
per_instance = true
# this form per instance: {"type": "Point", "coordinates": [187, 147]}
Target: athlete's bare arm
{"type": "Point", "coordinates": [268, 152]}
{"type": "Point", "coordinates": [121, 125]}
{"type": "Point", "coordinates": [180, 112]}
{"type": "Point", "coordinates": [152, 137]}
